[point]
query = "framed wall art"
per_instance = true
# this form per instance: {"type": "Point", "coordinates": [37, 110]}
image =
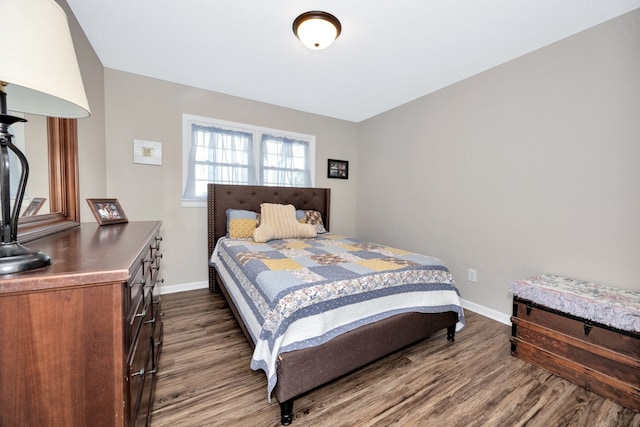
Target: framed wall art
{"type": "Point", "coordinates": [147, 152]}
{"type": "Point", "coordinates": [107, 211]}
{"type": "Point", "coordinates": [338, 169]}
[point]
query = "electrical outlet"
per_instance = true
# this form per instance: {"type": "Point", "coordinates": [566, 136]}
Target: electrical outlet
{"type": "Point", "coordinates": [473, 275]}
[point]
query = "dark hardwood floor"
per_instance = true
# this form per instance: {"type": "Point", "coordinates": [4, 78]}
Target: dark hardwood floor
{"type": "Point", "coordinates": [205, 380]}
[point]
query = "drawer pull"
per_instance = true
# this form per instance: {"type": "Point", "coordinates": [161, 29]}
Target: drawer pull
{"type": "Point", "coordinates": [148, 261]}
{"type": "Point", "coordinates": [156, 346]}
{"type": "Point", "coordinates": [141, 314]}
{"type": "Point", "coordinates": [529, 308]}
{"type": "Point", "coordinates": [139, 373]}
{"type": "Point", "coordinates": [153, 283]}
{"type": "Point", "coordinates": [157, 245]}
{"type": "Point", "coordinates": [139, 282]}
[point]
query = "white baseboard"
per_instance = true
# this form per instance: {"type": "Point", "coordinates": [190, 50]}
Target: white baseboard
{"type": "Point", "coordinates": [477, 308]}
{"type": "Point", "coordinates": [487, 312]}
{"type": "Point", "coordinates": [183, 287]}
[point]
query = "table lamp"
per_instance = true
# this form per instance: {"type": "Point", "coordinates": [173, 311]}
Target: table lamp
{"type": "Point", "coordinates": [39, 74]}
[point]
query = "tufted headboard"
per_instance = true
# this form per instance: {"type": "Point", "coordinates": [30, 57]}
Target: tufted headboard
{"type": "Point", "coordinates": [221, 197]}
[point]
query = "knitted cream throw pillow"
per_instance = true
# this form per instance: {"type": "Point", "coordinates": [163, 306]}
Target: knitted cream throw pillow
{"type": "Point", "coordinates": [279, 222]}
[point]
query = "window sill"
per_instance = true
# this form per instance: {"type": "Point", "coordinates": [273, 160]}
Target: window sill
{"type": "Point", "coordinates": [189, 203]}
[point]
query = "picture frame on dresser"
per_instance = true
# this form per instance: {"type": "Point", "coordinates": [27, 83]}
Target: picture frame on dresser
{"type": "Point", "coordinates": [107, 211]}
{"type": "Point", "coordinates": [34, 206]}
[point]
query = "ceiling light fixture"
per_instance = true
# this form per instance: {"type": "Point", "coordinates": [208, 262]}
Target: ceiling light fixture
{"type": "Point", "coordinates": [316, 30]}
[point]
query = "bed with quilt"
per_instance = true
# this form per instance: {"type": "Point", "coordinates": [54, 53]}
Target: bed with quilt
{"type": "Point", "coordinates": [316, 305]}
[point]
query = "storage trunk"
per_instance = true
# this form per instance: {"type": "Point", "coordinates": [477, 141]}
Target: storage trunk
{"type": "Point", "coordinates": [599, 358]}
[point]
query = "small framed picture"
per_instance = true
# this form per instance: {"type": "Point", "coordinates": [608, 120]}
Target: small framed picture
{"type": "Point", "coordinates": [34, 206]}
{"type": "Point", "coordinates": [107, 211]}
{"type": "Point", "coordinates": [337, 169]}
{"type": "Point", "coordinates": [147, 152]}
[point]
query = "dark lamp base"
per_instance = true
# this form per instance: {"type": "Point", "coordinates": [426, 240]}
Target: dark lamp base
{"type": "Point", "coordinates": [15, 258]}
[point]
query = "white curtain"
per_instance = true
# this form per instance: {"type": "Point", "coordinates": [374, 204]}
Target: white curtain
{"type": "Point", "coordinates": [284, 161]}
{"type": "Point", "coordinates": [217, 155]}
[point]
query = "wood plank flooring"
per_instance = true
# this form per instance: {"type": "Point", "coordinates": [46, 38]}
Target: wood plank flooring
{"type": "Point", "coordinates": [205, 380]}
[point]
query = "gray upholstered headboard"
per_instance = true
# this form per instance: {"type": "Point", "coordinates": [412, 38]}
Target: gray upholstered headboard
{"type": "Point", "coordinates": [221, 197]}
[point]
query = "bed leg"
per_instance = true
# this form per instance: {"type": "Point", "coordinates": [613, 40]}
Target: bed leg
{"type": "Point", "coordinates": [212, 280]}
{"type": "Point", "coordinates": [286, 412]}
{"type": "Point", "coordinates": [451, 333]}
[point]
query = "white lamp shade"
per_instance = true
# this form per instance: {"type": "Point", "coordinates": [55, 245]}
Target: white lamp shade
{"type": "Point", "coordinates": [38, 61]}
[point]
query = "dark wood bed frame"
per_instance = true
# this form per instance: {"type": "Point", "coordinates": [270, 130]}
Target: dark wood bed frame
{"type": "Point", "coordinates": [342, 354]}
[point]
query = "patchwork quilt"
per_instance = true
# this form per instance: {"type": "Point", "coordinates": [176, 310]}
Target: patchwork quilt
{"type": "Point", "coordinates": [300, 293]}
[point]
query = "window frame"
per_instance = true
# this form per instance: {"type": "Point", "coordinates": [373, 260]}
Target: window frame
{"type": "Point", "coordinates": [257, 131]}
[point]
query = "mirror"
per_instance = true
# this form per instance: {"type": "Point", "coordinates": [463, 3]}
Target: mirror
{"type": "Point", "coordinates": [63, 208]}
{"type": "Point", "coordinates": [34, 130]}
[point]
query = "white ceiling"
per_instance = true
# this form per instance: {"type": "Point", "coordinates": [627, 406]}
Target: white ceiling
{"type": "Point", "coordinates": [390, 52]}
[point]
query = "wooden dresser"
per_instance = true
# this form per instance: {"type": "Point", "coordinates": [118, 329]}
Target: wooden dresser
{"type": "Point", "coordinates": [80, 339]}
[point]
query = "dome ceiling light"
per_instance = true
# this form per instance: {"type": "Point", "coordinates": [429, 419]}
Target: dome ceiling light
{"type": "Point", "coordinates": [316, 30]}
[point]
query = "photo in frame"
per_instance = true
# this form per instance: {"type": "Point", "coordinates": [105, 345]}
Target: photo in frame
{"type": "Point", "coordinates": [34, 206]}
{"type": "Point", "coordinates": [107, 211]}
{"type": "Point", "coordinates": [337, 169]}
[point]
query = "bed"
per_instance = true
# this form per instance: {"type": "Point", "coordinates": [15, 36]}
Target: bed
{"type": "Point", "coordinates": [299, 370]}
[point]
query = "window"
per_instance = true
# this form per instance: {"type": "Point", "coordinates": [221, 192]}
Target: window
{"type": "Point", "coordinates": [285, 161]}
{"type": "Point", "coordinates": [216, 151]}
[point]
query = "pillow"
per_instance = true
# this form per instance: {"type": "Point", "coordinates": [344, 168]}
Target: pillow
{"type": "Point", "coordinates": [311, 217]}
{"type": "Point", "coordinates": [279, 222]}
{"type": "Point", "coordinates": [241, 223]}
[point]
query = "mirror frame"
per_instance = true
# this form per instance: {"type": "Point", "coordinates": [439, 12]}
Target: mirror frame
{"type": "Point", "coordinates": [63, 184]}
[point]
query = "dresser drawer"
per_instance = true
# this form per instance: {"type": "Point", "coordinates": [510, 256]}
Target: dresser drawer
{"type": "Point", "coordinates": [135, 286]}
{"type": "Point", "coordinates": [140, 280]}
{"type": "Point", "coordinates": [140, 365]}
{"type": "Point", "coordinates": [157, 331]}
{"type": "Point", "coordinates": [155, 246]}
{"type": "Point", "coordinates": [151, 262]}
{"type": "Point", "coordinates": [140, 310]}
{"type": "Point", "coordinates": [143, 409]}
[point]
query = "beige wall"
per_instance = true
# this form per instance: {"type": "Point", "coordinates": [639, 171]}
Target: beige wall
{"type": "Point", "coordinates": [148, 109]}
{"type": "Point", "coordinates": [528, 168]}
